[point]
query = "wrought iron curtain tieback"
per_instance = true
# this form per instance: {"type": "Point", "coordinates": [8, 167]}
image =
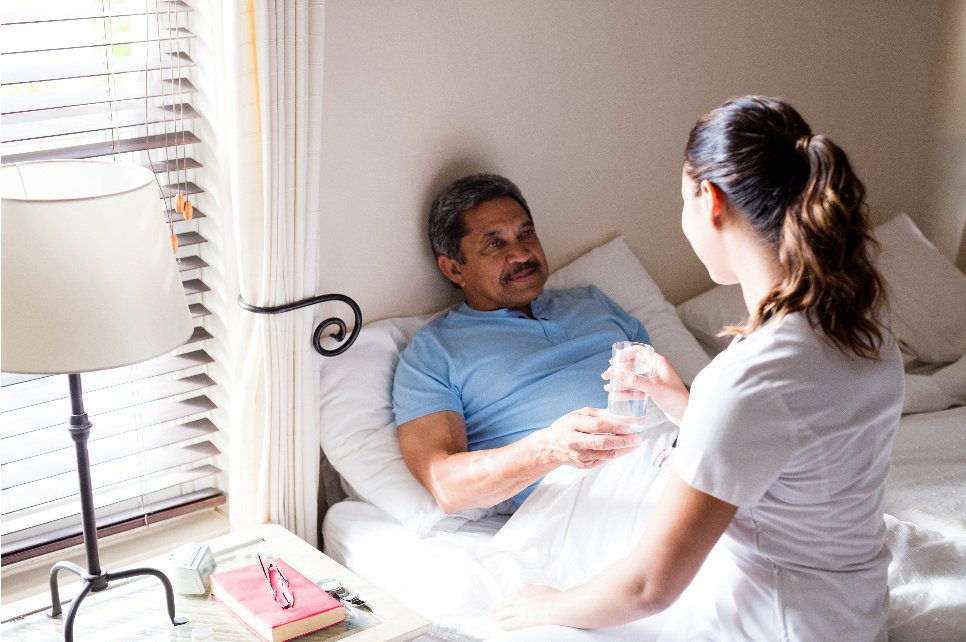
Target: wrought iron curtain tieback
{"type": "Point", "coordinates": [338, 335]}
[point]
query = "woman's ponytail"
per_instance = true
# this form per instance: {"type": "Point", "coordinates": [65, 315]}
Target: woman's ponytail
{"type": "Point", "coordinates": [825, 249]}
{"type": "Point", "coordinates": [798, 191]}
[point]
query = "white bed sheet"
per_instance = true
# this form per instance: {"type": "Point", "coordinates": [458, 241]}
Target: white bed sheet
{"type": "Point", "coordinates": [453, 577]}
{"type": "Point", "coordinates": [927, 480]}
{"type": "Point", "coordinates": [415, 570]}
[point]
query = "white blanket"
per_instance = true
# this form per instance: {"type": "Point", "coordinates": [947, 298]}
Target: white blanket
{"type": "Point", "coordinates": [571, 526]}
{"type": "Point", "coordinates": [578, 521]}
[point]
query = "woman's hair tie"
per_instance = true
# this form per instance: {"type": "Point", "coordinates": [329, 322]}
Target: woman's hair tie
{"type": "Point", "coordinates": [801, 145]}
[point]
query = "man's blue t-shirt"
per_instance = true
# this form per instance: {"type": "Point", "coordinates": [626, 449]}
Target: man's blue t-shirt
{"type": "Point", "coordinates": [507, 374]}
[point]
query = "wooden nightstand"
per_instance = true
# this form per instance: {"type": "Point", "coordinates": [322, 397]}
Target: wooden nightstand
{"type": "Point", "coordinates": [135, 609]}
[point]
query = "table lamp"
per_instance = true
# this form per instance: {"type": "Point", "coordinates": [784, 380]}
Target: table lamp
{"type": "Point", "coordinates": [89, 282]}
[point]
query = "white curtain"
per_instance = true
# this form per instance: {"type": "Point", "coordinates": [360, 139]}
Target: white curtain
{"type": "Point", "coordinates": [273, 64]}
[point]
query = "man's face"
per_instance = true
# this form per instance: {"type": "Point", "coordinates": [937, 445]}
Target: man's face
{"type": "Point", "coordinates": [505, 266]}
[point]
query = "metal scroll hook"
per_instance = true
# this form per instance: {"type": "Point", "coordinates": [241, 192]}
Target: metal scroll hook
{"type": "Point", "coordinates": [341, 329]}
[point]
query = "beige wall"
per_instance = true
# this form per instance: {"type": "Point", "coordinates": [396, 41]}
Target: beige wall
{"type": "Point", "coordinates": [947, 224]}
{"type": "Point", "coordinates": [587, 105]}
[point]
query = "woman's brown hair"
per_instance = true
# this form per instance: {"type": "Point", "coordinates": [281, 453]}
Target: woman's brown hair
{"type": "Point", "coordinates": [799, 193]}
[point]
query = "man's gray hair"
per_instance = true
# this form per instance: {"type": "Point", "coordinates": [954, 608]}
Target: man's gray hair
{"type": "Point", "coordinates": [446, 221]}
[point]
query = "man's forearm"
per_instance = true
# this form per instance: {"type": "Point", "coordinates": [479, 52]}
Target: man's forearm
{"type": "Point", "coordinates": [436, 452]}
{"type": "Point", "coordinates": [484, 478]}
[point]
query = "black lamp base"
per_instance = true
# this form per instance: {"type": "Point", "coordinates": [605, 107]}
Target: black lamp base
{"type": "Point", "coordinates": [93, 579]}
{"type": "Point", "coordinates": [92, 584]}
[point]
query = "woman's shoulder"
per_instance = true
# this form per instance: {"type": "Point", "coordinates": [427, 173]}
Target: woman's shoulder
{"type": "Point", "coordinates": [773, 353]}
{"type": "Point", "coordinates": [791, 355]}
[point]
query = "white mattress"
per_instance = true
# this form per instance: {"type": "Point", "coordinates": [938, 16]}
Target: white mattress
{"type": "Point", "coordinates": [926, 516]}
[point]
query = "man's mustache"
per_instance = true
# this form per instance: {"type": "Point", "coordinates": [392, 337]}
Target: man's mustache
{"type": "Point", "coordinates": [520, 267]}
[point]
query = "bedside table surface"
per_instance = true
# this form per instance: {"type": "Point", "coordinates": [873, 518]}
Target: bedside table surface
{"type": "Point", "coordinates": [135, 609]}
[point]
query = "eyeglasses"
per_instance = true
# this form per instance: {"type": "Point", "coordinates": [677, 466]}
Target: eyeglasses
{"type": "Point", "coordinates": [281, 589]}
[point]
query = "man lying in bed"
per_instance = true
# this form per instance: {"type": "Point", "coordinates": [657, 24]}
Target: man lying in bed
{"type": "Point", "coordinates": [504, 388]}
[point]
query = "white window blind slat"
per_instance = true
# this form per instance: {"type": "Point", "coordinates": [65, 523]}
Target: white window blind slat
{"type": "Point", "coordinates": [188, 263]}
{"type": "Point", "coordinates": [31, 125]}
{"type": "Point", "coordinates": [171, 216]}
{"type": "Point", "coordinates": [62, 461]}
{"type": "Point", "coordinates": [49, 66]}
{"type": "Point", "coordinates": [115, 471]}
{"type": "Point", "coordinates": [197, 310]}
{"type": "Point", "coordinates": [67, 509]}
{"type": "Point", "coordinates": [173, 165]}
{"type": "Point", "coordinates": [98, 402]}
{"type": "Point", "coordinates": [107, 147]}
{"type": "Point", "coordinates": [55, 386]}
{"type": "Point", "coordinates": [73, 92]}
{"type": "Point", "coordinates": [195, 286]}
{"type": "Point", "coordinates": [86, 33]}
{"type": "Point", "coordinates": [188, 188]}
{"type": "Point", "coordinates": [65, 10]}
{"type": "Point", "coordinates": [165, 411]}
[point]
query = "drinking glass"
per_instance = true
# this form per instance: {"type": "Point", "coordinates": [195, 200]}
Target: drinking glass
{"type": "Point", "coordinates": [622, 401]}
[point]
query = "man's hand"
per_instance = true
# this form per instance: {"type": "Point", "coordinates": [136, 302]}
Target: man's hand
{"type": "Point", "coordinates": [435, 449]}
{"type": "Point", "coordinates": [585, 438]}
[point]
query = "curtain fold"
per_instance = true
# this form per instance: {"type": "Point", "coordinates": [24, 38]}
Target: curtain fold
{"type": "Point", "coordinates": [275, 63]}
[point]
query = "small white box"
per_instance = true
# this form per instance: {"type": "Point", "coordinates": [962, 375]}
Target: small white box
{"type": "Point", "coordinates": [189, 568]}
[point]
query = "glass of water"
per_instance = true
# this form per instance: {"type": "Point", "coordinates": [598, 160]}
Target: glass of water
{"type": "Point", "coordinates": [622, 401]}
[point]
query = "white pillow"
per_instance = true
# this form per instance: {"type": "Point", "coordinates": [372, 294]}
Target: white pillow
{"type": "Point", "coordinates": [707, 313]}
{"type": "Point", "coordinates": [615, 269]}
{"type": "Point", "coordinates": [942, 389]}
{"type": "Point", "coordinates": [358, 430]}
{"type": "Point", "coordinates": [927, 300]}
{"type": "Point", "coordinates": [927, 293]}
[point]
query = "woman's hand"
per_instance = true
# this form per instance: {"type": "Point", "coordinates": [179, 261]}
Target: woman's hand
{"type": "Point", "coordinates": [527, 607]}
{"type": "Point", "coordinates": [664, 386]}
{"type": "Point", "coordinates": [684, 527]}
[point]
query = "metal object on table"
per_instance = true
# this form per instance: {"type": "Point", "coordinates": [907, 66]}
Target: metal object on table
{"type": "Point", "coordinates": [334, 587]}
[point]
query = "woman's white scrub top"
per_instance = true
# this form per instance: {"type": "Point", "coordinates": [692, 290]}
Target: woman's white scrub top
{"type": "Point", "coordinates": [798, 435]}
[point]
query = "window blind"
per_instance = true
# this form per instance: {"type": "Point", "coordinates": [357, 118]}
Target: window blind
{"type": "Point", "coordinates": [110, 79]}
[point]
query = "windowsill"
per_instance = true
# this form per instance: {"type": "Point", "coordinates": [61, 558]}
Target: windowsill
{"type": "Point", "coordinates": [30, 577]}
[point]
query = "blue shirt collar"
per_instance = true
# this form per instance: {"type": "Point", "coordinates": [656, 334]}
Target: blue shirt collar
{"type": "Point", "coordinates": [538, 306]}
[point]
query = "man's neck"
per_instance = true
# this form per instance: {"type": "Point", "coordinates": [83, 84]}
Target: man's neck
{"type": "Point", "coordinates": [527, 310]}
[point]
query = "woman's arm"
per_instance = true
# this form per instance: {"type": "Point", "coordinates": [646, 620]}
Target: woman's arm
{"type": "Point", "coordinates": [684, 527]}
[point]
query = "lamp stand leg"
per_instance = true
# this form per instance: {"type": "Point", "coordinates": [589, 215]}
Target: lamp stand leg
{"type": "Point", "coordinates": [94, 579]}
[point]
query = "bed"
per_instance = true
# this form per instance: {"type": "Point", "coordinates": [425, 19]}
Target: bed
{"type": "Point", "coordinates": [385, 527]}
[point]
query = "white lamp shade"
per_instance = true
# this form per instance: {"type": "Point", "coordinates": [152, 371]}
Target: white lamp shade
{"type": "Point", "coordinates": [89, 279]}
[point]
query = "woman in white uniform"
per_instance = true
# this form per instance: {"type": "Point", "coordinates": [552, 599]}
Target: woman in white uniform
{"type": "Point", "coordinates": [785, 437]}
